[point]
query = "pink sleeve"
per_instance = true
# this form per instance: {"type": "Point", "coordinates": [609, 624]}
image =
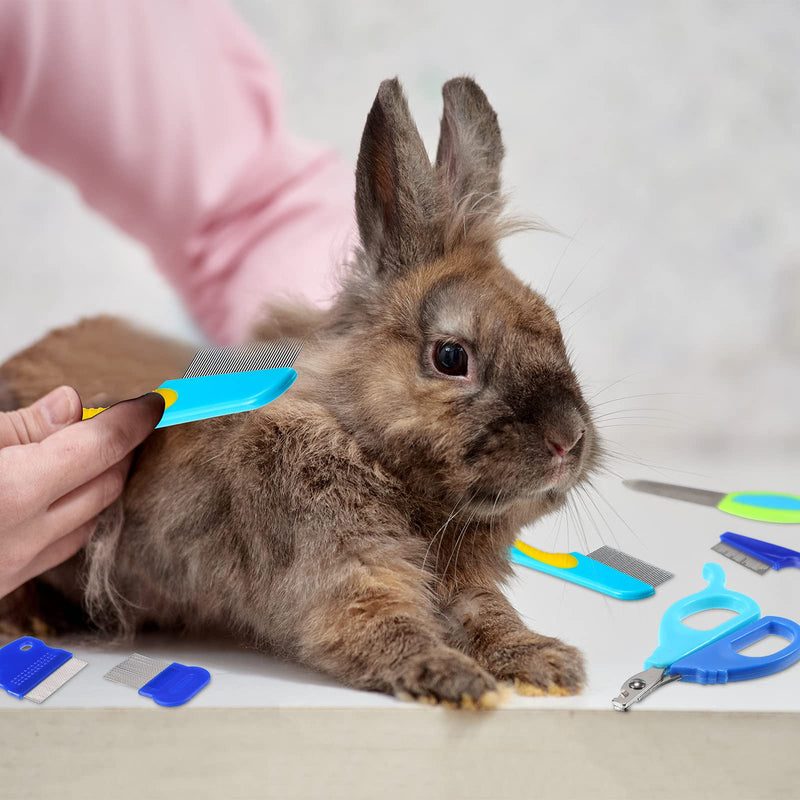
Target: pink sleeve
{"type": "Point", "coordinates": [167, 117]}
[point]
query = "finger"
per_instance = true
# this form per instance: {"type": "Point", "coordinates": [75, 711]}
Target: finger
{"type": "Point", "coordinates": [58, 551]}
{"type": "Point", "coordinates": [77, 454]}
{"type": "Point", "coordinates": [83, 503]}
{"type": "Point", "coordinates": [47, 415]}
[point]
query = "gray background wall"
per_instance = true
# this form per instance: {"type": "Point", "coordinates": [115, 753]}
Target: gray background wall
{"type": "Point", "coordinates": [662, 139]}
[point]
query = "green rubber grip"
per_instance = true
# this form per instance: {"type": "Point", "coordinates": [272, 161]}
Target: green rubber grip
{"type": "Point", "coordinates": [762, 506]}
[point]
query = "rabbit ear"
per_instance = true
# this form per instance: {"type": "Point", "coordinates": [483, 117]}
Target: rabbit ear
{"type": "Point", "coordinates": [470, 146]}
{"type": "Point", "coordinates": [398, 202]}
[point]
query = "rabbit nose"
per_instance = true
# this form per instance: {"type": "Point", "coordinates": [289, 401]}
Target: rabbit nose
{"type": "Point", "coordinates": [559, 444]}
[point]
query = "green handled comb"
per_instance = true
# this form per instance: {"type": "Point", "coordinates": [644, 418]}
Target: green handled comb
{"type": "Point", "coordinates": [761, 506]}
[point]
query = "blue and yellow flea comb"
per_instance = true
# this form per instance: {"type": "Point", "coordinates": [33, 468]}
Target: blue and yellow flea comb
{"type": "Point", "coordinates": [226, 380]}
{"type": "Point", "coordinates": [604, 570]}
{"type": "Point", "coordinates": [711, 656]}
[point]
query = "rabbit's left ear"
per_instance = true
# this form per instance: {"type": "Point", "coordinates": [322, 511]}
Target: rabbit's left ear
{"type": "Point", "coordinates": [470, 149]}
{"type": "Point", "coordinates": [399, 202]}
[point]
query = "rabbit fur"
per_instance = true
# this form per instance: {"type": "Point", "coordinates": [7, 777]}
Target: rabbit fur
{"type": "Point", "coordinates": [359, 524]}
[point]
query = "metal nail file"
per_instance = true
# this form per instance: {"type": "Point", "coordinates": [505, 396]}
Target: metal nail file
{"type": "Point", "coordinates": [31, 670]}
{"type": "Point", "coordinates": [761, 506]}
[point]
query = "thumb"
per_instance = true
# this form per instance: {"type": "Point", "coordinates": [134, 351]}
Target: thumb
{"type": "Point", "coordinates": [54, 411]}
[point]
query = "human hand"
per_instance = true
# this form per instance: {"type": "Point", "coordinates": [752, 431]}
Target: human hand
{"type": "Point", "coordinates": [56, 477]}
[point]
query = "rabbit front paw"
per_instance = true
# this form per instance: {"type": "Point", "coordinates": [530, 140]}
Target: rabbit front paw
{"type": "Point", "coordinates": [448, 677]}
{"type": "Point", "coordinates": [539, 666]}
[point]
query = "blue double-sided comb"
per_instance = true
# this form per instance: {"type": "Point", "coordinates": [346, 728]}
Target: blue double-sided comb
{"type": "Point", "coordinates": [711, 656]}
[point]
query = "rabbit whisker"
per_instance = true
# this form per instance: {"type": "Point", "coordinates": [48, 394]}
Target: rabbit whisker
{"type": "Point", "coordinates": [563, 253]}
{"type": "Point", "coordinates": [441, 532]}
{"type": "Point", "coordinates": [458, 544]}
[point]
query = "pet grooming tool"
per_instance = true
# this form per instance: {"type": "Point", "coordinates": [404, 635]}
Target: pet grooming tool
{"type": "Point", "coordinates": [605, 570]}
{"type": "Point", "coordinates": [164, 683]}
{"type": "Point", "coordinates": [31, 670]}
{"type": "Point", "coordinates": [711, 656]}
{"type": "Point", "coordinates": [755, 554]}
{"type": "Point", "coordinates": [761, 506]}
{"type": "Point", "coordinates": [226, 380]}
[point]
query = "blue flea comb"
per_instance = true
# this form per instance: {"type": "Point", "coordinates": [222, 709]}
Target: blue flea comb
{"type": "Point", "coordinates": [164, 683]}
{"type": "Point", "coordinates": [31, 670]}
{"type": "Point", "coordinates": [226, 380]}
{"type": "Point", "coordinates": [756, 554]}
{"type": "Point", "coordinates": [711, 656]}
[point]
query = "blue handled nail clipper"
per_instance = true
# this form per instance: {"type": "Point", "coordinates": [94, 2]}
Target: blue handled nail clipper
{"type": "Point", "coordinates": [711, 656]}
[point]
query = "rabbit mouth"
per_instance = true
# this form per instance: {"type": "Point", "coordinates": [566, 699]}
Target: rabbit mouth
{"type": "Point", "coordinates": [560, 475]}
{"type": "Point", "coordinates": [553, 484]}
{"type": "Point", "coordinates": [492, 500]}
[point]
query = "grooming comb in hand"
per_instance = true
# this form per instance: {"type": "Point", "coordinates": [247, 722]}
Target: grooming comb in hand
{"type": "Point", "coordinates": [761, 506]}
{"type": "Point", "coordinates": [226, 380]}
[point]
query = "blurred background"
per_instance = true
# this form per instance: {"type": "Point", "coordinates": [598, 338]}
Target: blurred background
{"type": "Point", "coordinates": [660, 139]}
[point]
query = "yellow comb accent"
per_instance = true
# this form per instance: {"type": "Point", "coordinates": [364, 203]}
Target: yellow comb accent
{"type": "Point", "coordinates": [88, 413]}
{"type": "Point", "coordinates": [169, 395]}
{"type": "Point", "coordinates": [560, 560]}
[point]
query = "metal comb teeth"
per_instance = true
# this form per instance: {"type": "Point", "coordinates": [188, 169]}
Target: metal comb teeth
{"type": "Point", "coordinates": [634, 567]}
{"type": "Point", "coordinates": [734, 554]}
{"type": "Point", "coordinates": [263, 355]}
{"type": "Point", "coordinates": [136, 671]}
{"type": "Point", "coordinates": [55, 680]}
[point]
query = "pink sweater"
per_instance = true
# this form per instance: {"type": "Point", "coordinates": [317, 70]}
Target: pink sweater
{"type": "Point", "coordinates": [167, 117]}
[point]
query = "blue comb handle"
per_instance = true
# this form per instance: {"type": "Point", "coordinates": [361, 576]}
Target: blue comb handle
{"type": "Point", "coordinates": [676, 640]}
{"type": "Point", "coordinates": [26, 662]}
{"type": "Point", "coordinates": [216, 395]}
{"type": "Point", "coordinates": [721, 661]}
{"type": "Point", "coordinates": [774, 555]}
{"type": "Point", "coordinates": [591, 574]}
{"type": "Point", "coordinates": [176, 684]}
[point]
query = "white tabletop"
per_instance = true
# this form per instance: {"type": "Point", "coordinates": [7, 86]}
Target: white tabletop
{"type": "Point", "coordinates": [616, 636]}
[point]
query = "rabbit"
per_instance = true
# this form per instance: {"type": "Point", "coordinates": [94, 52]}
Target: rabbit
{"type": "Point", "coordinates": [359, 524]}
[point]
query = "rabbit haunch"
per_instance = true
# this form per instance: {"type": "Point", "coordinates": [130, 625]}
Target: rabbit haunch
{"type": "Point", "coordinates": [360, 523]}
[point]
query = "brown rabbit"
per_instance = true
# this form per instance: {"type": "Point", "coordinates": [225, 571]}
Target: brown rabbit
{"type": "Point", "coordinates": [360, 524]}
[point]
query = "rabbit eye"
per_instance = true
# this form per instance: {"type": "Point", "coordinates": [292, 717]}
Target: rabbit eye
{"type": "Point", "coordinates": [450, 358]}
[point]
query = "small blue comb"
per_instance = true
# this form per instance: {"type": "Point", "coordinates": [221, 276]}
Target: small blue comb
{"type": "Point", "coordinates": [756, 554]}
{"type": "Point", "coordinates": [166, 684]}
{"type": "Point", "coordinates": [31, 670]}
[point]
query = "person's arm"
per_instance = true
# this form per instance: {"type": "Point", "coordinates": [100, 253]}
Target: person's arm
{"type": "Point", "coordinates": [167, 117]}
{"type": "Point", "coordinates": [56, 476]}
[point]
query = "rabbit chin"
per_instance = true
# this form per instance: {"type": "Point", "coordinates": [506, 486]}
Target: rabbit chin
{"type": "Point", "coordinates": [545, 495]}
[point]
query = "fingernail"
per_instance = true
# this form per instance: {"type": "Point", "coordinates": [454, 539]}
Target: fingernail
{"type": "Point", "coordinates": [59, 406]}
{"type": "Point", "coordinates": [154, 399]}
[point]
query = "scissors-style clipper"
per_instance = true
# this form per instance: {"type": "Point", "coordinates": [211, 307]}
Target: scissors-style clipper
{"type": "Point", "coordinates": [711, 656]}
